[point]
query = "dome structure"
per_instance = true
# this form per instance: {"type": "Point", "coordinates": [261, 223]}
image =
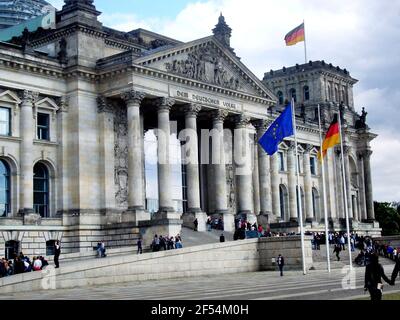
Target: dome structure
{"type": "Point", "coordinates": [13, 12]}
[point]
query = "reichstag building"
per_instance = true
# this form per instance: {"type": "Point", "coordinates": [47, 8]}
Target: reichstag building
{"type": "Point", "coordinates": [84, 156]}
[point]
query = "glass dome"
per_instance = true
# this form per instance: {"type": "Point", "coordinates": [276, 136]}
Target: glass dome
{"type": "Point", "coordinates": [13, 12]}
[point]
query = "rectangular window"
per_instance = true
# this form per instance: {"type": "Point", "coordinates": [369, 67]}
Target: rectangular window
{"type": "Point", "coordinates": [43, 126]}
{"type": "Point", "coordinates": [281, 161]}
{"type": "Point", "coordinates": [313, 166]}
{"type": "Point", "coordinates": [5, 122]}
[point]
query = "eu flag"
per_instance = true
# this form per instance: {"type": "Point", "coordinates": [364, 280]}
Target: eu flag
{"type": "Point", "coordinates": [281, 128]}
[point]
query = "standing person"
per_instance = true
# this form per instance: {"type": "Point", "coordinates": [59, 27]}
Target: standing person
{"type": "Point", "coordinates": [281, 262]}
{"type": "Point", "coordinates": [57, 252]}
{"type": "Point", "coordinates": [139, 246]}
{"type": "Point", "coordinates": [373, 278]}
{"type": "Point", "coordinates": [208, 223]}
{"type": "Point", "coordinates": [222, 238]}
{"type": "Point", "coordinates": [337, 250]}
{"type": "Point", "coordinates": [196, 224]}
{"type": "Point", "coordinates": [103, 250]}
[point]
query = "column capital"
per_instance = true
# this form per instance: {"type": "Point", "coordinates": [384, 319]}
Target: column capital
{"type": "Point", "coordinates": [163, 103]}
{"type": "Point", "coordinates": [219, 115]}
{"type": "Point", "coordinates": [364, 154]}
{"type": "Point", "coordinates": [260, 124]}
{"type": "Point", "coordinates": [192, 109]}
{"type": "Point", "coordinates": [133, 96]}
{"type": "Point", "coordinates": [29, 97]}
{"type": "Point", "coordinates": [291, 145]}
{"type": "Point", "coordinates": [308, 147]}
{"type": "Point", "coordinates": [63, 102]}
{"type": "Point", "coordinates": [104, 105]}
{"type": "Point", "coordinates": [242, 120]}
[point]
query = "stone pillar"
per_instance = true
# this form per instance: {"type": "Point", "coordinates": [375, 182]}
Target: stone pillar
{"type": "Point", "coordinates": [292, 182]}
{"type": "Point", "coordinates": [276, 213]}
{"type": "Point", "coordinates": [107, 166]}
{"type": "Point", "coordinates": [27, 130]}
{"type": "Point", "coordinates": [191, 151]}
{"type": "Point", "coordinates": [62, 156]}
{"type": "Point", "coordinates": [346, 150]}
{"type": "Point", "coordinates": [255, 178]}
{"type": "Point", "coordinates": [164, 178]}
{"type": "Point", "coordinates": [265, 175]}
{"type": "Point", "coordinates": [363, 204]}
{"type": "Point", "coordinates": [219, 165]}
{"type": "Point", "coordinates": [242, 160]}
{"type": "Point", "coordinates": [309, 214]}
{"type": "Point", "coordinates": [136, 207]}
{"type": "Point", "coordinates": [366, 154]}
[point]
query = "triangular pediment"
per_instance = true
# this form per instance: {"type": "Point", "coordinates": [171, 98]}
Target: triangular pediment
{"type": "Point", "coordinates": [206, 60]}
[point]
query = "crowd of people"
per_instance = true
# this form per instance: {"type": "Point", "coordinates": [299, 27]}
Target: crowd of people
{"type": "Point", "coordinates": [21, 264]}
{"type": "Point", "coordinates": [163, 243]}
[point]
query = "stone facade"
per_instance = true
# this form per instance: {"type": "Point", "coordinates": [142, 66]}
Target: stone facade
{"type": "Point", "coordinates": [80, 99]}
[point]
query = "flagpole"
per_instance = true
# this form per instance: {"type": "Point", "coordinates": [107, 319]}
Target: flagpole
{"type": "Point", "coordinates": [305, 44]}
{"type": "Point", "coordinates": [346, 210]}
{"type": "Point", "coordinates": [298, 193]}
{"type": "Point", "coordinates": [328, 262]}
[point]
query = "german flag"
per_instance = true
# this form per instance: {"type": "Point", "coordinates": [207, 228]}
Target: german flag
{"type": "Point", "coordinates": [332, 137]}
{"type": "Point", "coordinates": [295, 36]}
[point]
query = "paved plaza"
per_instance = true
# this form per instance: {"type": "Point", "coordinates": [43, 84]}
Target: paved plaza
{"type": "Point", "coordinates": [317, 285]}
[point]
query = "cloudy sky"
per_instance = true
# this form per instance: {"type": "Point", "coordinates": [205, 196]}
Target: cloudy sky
{"type": "Point", "coordinates": [362, 36]}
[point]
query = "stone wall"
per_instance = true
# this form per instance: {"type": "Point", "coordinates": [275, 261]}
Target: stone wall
{"type": "Point", "coordinates": [221, 258]}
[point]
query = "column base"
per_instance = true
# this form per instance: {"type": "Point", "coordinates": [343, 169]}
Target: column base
{"type": "Point", "coordinates": [229, 222]}
{"type": "Point", "coordinates": [263, 218]}
{"type": "Point", "coordinates": [135, 214]}
{"type": "Point", "coordinates": [189, 217]}
{"type": "Point", "coordinates": [166, 213]}
{"type": "Point", "coordinates": [310, 220]}
{"type": "Point", "coordinates": [294, 219]}
{"type": "Point", "coordinates": [31, 218]}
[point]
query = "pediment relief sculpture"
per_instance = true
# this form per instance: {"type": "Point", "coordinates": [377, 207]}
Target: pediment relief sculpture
{"type": "Point", "coordinates": [204, 64]}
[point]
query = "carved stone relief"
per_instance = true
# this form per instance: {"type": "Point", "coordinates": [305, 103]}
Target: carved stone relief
{"type": "Point", "coordinates": [121, 157]}
{"type": "Point", "coordinates": [204, 64]}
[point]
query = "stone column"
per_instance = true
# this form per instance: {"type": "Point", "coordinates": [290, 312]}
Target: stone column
{"type": "Point", "coordinates": [219, 165]}
{"type": "Point", "coordinates": [136, 207]}
{"type": "Point", "coordinates": [107, 167]}
{"type": "Point", "coordinates": [27, 131]}
{"type": "Point", "coordinates": [164, 178]}
{"type": "Point", "coordinates": [191, 151]}
{"type": "Point", "coordinates": [366, 154]}
{"type": "Point", "coordinates": [255, 177]}
{"type": "Point", "coordinates": [346, 150]}
{"type": "Point", "coordinates": [363, 204]}
{"type": "Point", "coordinates": [308, 185]}
{"type": "Point", "coordinates": [242, 160]}
{"type": "Point", "coordinates": [276, 213]}
{"type": "Point", "coordinates": [264, 175]}
{"type": "Point", "coordinates": [292, 183]}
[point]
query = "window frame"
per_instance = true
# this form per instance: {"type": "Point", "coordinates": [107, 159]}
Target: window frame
{"type": "Point", "coordinates": [39, 128]}
{"type": "Point", "coordinates": [9, 121]}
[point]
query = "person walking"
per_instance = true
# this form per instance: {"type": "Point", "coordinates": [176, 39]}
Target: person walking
{"type": "Point", "coordinates": [373, 278]}
{"type": "Point", "coordinates": [139, 246]}
{"type": "Point", "coordinates": [57, 252]}
{"type": "Point", "coordinates": [337, 250]}
{"type": "Point", "coordinates": [395, 271]}
{"type": "Point", "coordinates": [281, 262]}
{"type": "Point", "coordinates": [196, 224]}
{"type": "Point", "coordinates": [222, 238]}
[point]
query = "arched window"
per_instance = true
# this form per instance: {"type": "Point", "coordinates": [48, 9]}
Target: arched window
{"type": "Point", "coordinates": [280, 97]}
{"type": "Point", "coordinates": [292, 94]}
{"type": "Point", "coordinates": [41, 189]}
{"type": "Point", "coordinates": [306, 93]}
{"type": "Point", "coordinates": [4, 189]}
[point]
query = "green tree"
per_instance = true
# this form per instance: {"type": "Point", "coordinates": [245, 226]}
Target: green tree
{"type": "Point", "coordinates": [388, 216]}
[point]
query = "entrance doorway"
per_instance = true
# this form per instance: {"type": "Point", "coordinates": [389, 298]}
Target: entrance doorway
{"type": "Point", "coordinates": [12, 249]}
